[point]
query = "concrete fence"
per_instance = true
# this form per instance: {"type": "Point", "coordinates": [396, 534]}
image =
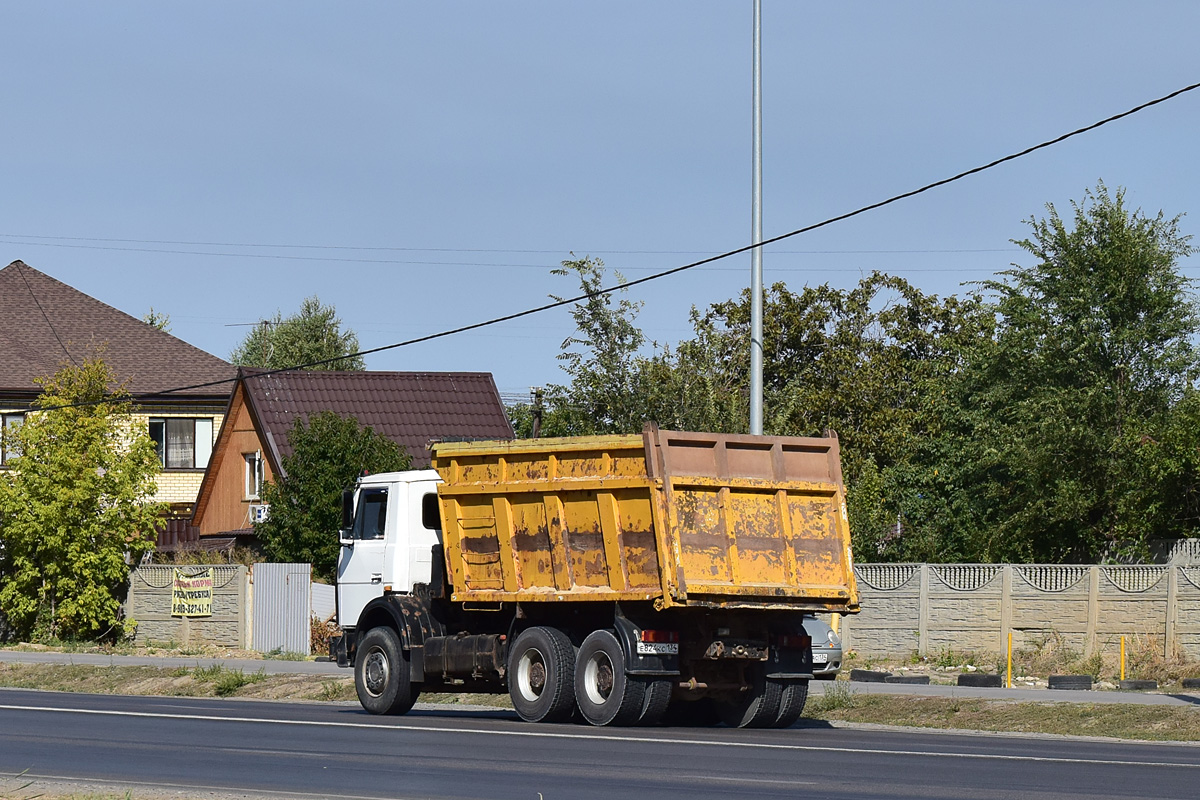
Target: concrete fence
{"type": "Point", "coordinates": [228, 609]}
{"type": "Point", "coordinates": [930, 608]}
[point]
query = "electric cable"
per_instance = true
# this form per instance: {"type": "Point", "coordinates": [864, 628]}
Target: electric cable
{"type": "Point", "coordinates": [559, 303]}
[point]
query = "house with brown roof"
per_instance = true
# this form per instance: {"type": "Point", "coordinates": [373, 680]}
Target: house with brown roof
{"type": "Point", "coordinates": [48, 323]}
{"type": "Point", "coordinates": [413, 409]}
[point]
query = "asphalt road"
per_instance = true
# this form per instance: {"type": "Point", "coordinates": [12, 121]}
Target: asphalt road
{"type": "Point", "coordinates": [191, 747]}
{"type": "Point", "coordinates": [283, 667]}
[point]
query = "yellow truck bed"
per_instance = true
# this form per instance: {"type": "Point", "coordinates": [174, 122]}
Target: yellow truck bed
{"type": "Point", "coordinates": [680, 519]}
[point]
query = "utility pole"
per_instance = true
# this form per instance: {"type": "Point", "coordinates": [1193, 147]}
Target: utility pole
{"type": "Point", "coordinates": [756, 269]}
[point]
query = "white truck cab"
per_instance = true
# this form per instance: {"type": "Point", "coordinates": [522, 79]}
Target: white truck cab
{"type": "Point", "coordinates": [390, 528]}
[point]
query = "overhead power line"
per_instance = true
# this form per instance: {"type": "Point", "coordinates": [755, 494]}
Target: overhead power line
{"type": "Point", "coordinates": [675, 270]}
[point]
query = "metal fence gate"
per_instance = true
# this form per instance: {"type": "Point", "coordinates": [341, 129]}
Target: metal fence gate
{"type": "Point", "coordinates": [282, 607]}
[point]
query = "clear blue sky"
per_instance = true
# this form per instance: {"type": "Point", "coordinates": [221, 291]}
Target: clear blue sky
{"type": "Point", "coordinates": [423, 166]}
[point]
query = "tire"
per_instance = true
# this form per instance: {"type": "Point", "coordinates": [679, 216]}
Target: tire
{"type": "Point", "coordinates": [1136, 685]}
{"type": "Point", "coordinates": [604, 693]}
{"type": "Point", "coordinates": [915, 680]}
{"type": "Point", "coordinates": [868, 676]}
{"type": "Point", "coordinates": [793, 696]}
{"type": "Point", "coordinates": [658, 698]}
{"type": "Point", "coordinates": [1191, 683]}
{"type": "Point", "coordinates": [981, 679]}
{"type": "Point", "coordinates": [541, 665]}
{"type": "Point", "coordinates": [827, 676]}
{"type": "Point", "coordinates": [381, 674]}
{"type": "Point", "coordinates": [1069, 682]}
{"type": "Point", "coordinates": [758, 707]}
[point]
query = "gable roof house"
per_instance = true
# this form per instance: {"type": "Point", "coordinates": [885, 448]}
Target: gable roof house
{"type": "Point", "coordinates": [47, 323]}
{"type": "Point", "coordinates": [412, 409]}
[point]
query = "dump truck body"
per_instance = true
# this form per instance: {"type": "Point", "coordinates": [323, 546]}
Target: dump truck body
{"type": "Point", "coordinates": [623, 576]}
{"type": "Point", "coordinates": [675, 518]}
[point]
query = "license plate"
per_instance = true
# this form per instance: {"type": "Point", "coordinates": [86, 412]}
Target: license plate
{"type": "Point", "coordinates": [820, 658]}
{"type": "Point", "coordinates": [658, 648]}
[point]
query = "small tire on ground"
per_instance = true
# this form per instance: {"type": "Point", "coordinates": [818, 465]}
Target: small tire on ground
{"type": "Point", "coordinates": [381, 674]}
{"type": "Point", "coordinates": [604, 693]}
{"type": "Point", "coordinates": [541, 670]}
{"type": "Point", "coordinates": [658, 698]}
{"type": "Point", "coordinates": [826, 676]}
{"type": "Point", "coordinates": [868, 676]}
{"type": "Point", "coordinates": [756, 707]}
{"type": "Point", "coordinates": [1191, 683]}
{"type": "Point", "coordinates": [793, 696]}
{"type": "Point", "coordinates": [988, 680]}
{"type": "Point", "coordinates": [1069, 682]}
{"type": "Point", "coordinates": [916, 680]}
{"type": "Point", "coordinates": [1138, 685]}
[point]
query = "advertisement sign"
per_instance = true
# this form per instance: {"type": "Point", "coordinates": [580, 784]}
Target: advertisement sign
{"type": "Point", "coordinates": [191, 594]}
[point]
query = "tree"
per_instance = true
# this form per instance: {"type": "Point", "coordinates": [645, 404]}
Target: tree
{"type": "Point", "coordinates": [75, 509]}
{"type": "Point", "coordinates": [329, 452]}
{"type": "Point", "coordinates": [313, 334]}
{"type": "Point", "coordinates": [158, 319]}
{"type": "Point", "coordinates": [1075, 418]}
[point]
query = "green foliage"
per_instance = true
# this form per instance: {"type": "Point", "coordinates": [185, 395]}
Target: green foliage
{"type": "Point", "coordinates": [158, 320]}
{"type": "Point", "coordinates": [1050, 415]}
{"type": "Point", "coordinates": [1074, 424]}
{"type": "Point", "coordinates": [312, 334]}
{"type": "Point", "coordinates": [329, 452]}
{"type": "Point", "coordinates": [75, 508]}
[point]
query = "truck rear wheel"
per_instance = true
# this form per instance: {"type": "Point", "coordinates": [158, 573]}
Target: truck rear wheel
{"type": "Point", "coordinates": [605, 694]}
{"type": "Point", "coordinates": [658, 697]}
{"type": "Point", "coordinates": [793, 696]}
{"type": "Point", "coordinates": [381, 674]}
{"type": "Point", "coordinates": [541, 666]}
{"type": "Point", "coordinates": [756, 707]}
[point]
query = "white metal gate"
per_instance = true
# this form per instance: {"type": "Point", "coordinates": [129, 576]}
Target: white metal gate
{"type": "Point", "coordinates": [282, 607]}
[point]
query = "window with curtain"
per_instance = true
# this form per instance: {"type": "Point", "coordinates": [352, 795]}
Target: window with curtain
{"type": "Point", "coordinates": [182, 442]}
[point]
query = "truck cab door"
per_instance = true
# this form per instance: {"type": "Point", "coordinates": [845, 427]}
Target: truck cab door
{"type": "Point", "coordinates": [361, 564]}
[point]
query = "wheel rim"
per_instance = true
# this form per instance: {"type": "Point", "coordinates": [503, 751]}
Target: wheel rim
{"type": "Point", "coordinates": [531, 674]}
{"type": "Point", "coordinates": [376, 671]}
{"type": "Point", "coordinates": [598, 678]}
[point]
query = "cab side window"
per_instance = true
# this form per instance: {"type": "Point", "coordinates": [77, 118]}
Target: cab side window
{"type": "Point", "coordinates": [371, 517]}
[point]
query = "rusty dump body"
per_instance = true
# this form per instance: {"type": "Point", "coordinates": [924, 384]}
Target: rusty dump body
{"type": "Point", "coordinates": [678, 519]}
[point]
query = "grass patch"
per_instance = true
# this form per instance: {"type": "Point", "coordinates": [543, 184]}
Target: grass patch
{"type": "Point", "coordinates": [1157, 723]}
{"type": "Point", "coordinates": [216, 681]}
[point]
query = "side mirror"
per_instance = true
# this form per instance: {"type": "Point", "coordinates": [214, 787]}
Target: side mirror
{"type": "Point", "coordinates": [347, 509]}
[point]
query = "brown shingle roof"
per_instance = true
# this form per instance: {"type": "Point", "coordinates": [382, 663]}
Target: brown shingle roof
{"type": "Point", "coordinates": [410, 408]}
{"type": "Point", "coordinates": [42, 316]}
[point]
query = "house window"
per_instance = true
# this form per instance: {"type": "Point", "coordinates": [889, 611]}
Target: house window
{"type": "Point", "coordinates": [8, 443]}
{"type": "Point", "coordinates": [254, 475]}
{"type": "Point", "coordinates": [182, 442]}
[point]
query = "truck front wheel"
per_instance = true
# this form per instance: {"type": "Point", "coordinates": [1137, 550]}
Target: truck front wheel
{"type": "Point", "coordinates": [381, 674]}
{"type": "Point", "coordinates": [605, 694]}
{"type": "Point", "coordinates": [541, 665]}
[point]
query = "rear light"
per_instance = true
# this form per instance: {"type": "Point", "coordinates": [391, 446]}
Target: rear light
{"type": "Point", "coordinates": [793, 641]}
{"type": "Point", "coordinates": [660, 637]}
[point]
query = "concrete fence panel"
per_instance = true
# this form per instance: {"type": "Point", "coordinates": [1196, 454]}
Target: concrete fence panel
{"type": "Point", "coordinates": [152, 588]}
{"type": "Point", "coordinates": [930, 608]}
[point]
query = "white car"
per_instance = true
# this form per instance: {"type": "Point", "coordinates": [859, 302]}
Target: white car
{"type": "Point", "coordinates": [826, 647]}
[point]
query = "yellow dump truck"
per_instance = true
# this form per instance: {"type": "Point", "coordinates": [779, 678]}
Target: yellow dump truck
{"type": "Point", "coordinates": [626, 577]}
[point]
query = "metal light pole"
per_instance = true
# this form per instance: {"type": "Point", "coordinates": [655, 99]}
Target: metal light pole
{"type": "Point", "coordinates": [756, 273]}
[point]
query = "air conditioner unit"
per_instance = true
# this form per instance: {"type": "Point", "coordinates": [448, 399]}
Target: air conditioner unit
{"type": "Point", "coordinates": [259, 512]}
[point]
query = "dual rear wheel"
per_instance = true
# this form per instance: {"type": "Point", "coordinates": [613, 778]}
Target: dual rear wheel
{"type": "Point", "coordinates": [548, 680]}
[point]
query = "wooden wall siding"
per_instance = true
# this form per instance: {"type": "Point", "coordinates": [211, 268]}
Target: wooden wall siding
{"type": "Point", "coordinates": [227, 508]}
{"type": "Point", "coordinates": [930, 608]}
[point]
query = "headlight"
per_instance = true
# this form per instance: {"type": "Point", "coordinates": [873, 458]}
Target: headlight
{"type": "Point", "coordinates": [834, 639]}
